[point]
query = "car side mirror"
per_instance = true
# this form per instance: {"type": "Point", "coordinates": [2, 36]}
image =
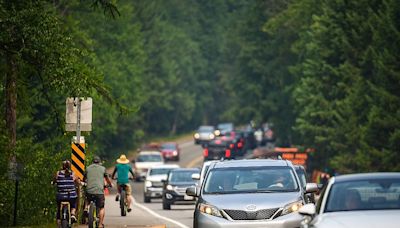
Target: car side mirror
{"type": "Point", "coordinates": [311, 188]}
{"type": "Point", "coordinates": [308, 209]}
{"type": "Point", "coordinates": [196, 176]}
{"type": "Point", "coordinates": [192, 191]}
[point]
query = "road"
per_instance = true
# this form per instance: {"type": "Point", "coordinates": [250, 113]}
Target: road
{"type": "Point", "coordinates": [152, 214]}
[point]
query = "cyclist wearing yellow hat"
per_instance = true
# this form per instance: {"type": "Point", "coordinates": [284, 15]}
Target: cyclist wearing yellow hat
{"type": "Point", "coordinates": [122, 169]}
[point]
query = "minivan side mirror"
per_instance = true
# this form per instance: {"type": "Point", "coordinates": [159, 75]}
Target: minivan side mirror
{"type": "Point", "coordinates": [308, 209]}
{"type": "Point", "coordinates": [192, 191]}
{"type": "Point", "coordinates": [196, 176]}
{"type": "Point", "coordinates": [311, 188]}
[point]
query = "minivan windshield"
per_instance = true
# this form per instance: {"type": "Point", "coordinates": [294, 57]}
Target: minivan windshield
{"type": "Point", "coordinates": [250, 180]}
{"type": "Point", "coordinates": [182, 176]}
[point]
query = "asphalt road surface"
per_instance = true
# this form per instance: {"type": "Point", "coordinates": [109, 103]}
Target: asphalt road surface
{"type": "Point", "coordinates": [152, 214]}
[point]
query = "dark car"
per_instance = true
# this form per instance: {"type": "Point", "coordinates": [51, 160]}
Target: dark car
{"type": "Point", "coordinates": [301, 173]}
{"type": "Point", "coordinates": [174, 190]}
{"type": "Point", "coordinates": [170, 151]}
{"type": "Point", "coordinates": [223, 128]}
{"type": "Point", "coordinates": [218, 149]}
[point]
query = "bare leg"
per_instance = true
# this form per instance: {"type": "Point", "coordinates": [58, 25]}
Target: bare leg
{"type": "Point", "coordinates": [101, 216]}
{"type": "Point", "coordinates": [129, 201]}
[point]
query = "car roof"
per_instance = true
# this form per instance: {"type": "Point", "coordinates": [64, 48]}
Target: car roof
{"type": "Point", "coordinates": [149, 152]}
{"type": "Point", "coordinates": [165, 166]}
{"type": "Point", "coordinates": [366, 176]}
{"type": "Point", "coordinates": [185, 169]}
{"type": "Point", "coordinates": [251, 162]}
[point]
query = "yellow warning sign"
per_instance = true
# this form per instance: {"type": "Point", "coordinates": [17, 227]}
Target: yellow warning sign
{"type": "Point", "coordinates": [78, 159]}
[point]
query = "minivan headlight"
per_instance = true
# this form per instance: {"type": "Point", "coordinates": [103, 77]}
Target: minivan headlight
{"type": "Point", "coordinates": [148, 184]}
{"type": "Point", "coordinates": [209, 209]}
{"type": "Point", "coordinates": [292, 207]}
{"type": "Point", "coordinates": [197, 135]}
{"type": "Point", "coordinates": [169, 187]}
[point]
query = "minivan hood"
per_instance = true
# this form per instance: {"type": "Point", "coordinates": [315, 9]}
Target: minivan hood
{"type": "Point", "coordinates": [242, 200]}
{"type": "Point", "coordinates": [157, 178]}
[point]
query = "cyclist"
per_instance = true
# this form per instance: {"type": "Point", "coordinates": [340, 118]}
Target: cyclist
{"type": "Point", "coordinates": [123, 169]}
{"type": "Point", "coordinates": [66, 189]}
{"type": "Point", "coordinates": [94, 178]}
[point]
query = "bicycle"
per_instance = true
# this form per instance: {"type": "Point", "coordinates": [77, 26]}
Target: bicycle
{"type": "Point", "coordinates": [65, 216]}
{"type": "Point", "coordinates": [93, 216]}
{"type": "Point", "coordinates": [123, 203]}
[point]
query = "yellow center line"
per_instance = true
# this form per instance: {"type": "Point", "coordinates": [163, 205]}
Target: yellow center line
{"type": "Point", "coordinates": [194, 162]}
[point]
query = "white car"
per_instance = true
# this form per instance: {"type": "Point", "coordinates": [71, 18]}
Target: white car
{"type": "Point", "coordinates": [153, 186]}
{"type": "Point", "coordinates": [368, 200]}
{"type": "Point", "coordinates": [146, 160]}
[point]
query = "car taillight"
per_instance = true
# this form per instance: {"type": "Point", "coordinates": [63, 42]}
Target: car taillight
{"type": "Point", "coordinates": [205, 152]}
{"type": "Point", "coordinates": [231, 146]}
{"type": "Point", "coordinates": [240, 144]}
{"type": "Point", "coordinates": [227, 153]}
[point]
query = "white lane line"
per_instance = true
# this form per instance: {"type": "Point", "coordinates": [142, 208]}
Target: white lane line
{"type": "Point", "coordinates": [159, 216]}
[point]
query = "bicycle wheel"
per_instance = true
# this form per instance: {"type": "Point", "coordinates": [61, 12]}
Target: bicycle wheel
{"type": "Point", "coordinates": [65, 217]}
{"type": "Point", "coordinates": [122, 202]}
{"type": "Point", "coordinates": [92, 215]}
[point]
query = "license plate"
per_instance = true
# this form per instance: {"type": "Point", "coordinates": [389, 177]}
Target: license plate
{"type": "Point", "coordinates": [186, 197]}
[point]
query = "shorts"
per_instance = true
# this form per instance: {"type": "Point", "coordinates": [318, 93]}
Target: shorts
{"type": "Point", "coordinates": [97, 198]}
{"type": "Point", "coordinates": [128, 189]}
{"type": "Point", "coordinates": [72, 203]}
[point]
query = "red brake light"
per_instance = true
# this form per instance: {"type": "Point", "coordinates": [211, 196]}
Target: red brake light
{"type": "Point", "coordinates": [231, 146]}
{"type": "Point", "coordinates": [227, 153]}
{"type": "Point", "coordinates": [205, 152]}
{"type": "Point", "coordinates": [240, 145]}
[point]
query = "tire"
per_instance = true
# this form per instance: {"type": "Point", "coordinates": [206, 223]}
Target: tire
{"type": "Point", "coordinates": [122, 203]}
{"type": "Point", "coordinates": [146, 199]}
{"type": "Point", "coordinates": [166, 206]}
{"type": "Point", "coordinates": [65, 222]}
{"type": "Point", "coordinates": [92, 215]}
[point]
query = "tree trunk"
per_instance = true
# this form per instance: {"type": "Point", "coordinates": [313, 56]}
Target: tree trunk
{"type": "Point", "coordinates": [11, 101]}
{"type": "Point", "coordinates": [173, 130]}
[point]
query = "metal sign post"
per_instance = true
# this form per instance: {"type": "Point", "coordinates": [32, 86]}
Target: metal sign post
{"type": "Point", "coordinates": [78, 120]}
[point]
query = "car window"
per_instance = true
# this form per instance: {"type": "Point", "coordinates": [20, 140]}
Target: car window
{"type": "Point", "coordinates": [250, 179]}
{"type": "Point", "coordinates": [160, 171]}
{"type": "Point", "coordinates": [364, 195]}
{"type": "Point", "coordinates": [302, 176]}
{"type": "Point", "coordinates": [149, 158]}
{"type": "Point", "coordinates": [181, 176]}
{"type": "Point", "coordinates": [205, 129]}
{"type": "Point", "coordinates": [168, 146]}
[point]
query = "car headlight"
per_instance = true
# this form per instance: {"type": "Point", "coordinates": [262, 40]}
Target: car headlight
{"type": "Point", "coordinates": [148, 184]}
{"type": "Point", "coordinates": [292, 207]}
{"type": "Point", "coordinates": [175, 153]}
{"type": "Point", "coordinates": [211, 136]}
{"type": "Point", "coordinates": [169, 187]}
{"type": "Point", "coordinates": [196, 136]}
{"type": "Point", "coordinates": [217, 132]}
{"type": "Point", "coordinates": [209, 209]}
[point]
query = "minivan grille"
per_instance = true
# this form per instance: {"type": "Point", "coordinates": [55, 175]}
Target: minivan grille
{"type": "Point", "coordinates": [251, 215]}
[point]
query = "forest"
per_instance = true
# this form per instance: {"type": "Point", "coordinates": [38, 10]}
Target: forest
{"type": "Point", "coordinates": [326, 73]}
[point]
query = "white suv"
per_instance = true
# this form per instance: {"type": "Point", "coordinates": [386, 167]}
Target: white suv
{"type": "Point", "coordinates": [153, 186]}
{"type": "Point", "coordinates": [146, 160]}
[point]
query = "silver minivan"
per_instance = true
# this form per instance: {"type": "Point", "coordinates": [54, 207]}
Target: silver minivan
{"type": "Point", "coordinates": [249, 193]}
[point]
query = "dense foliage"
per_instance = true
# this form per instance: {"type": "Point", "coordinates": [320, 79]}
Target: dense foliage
{"type": "Point", "coordinates": [325, 73]}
